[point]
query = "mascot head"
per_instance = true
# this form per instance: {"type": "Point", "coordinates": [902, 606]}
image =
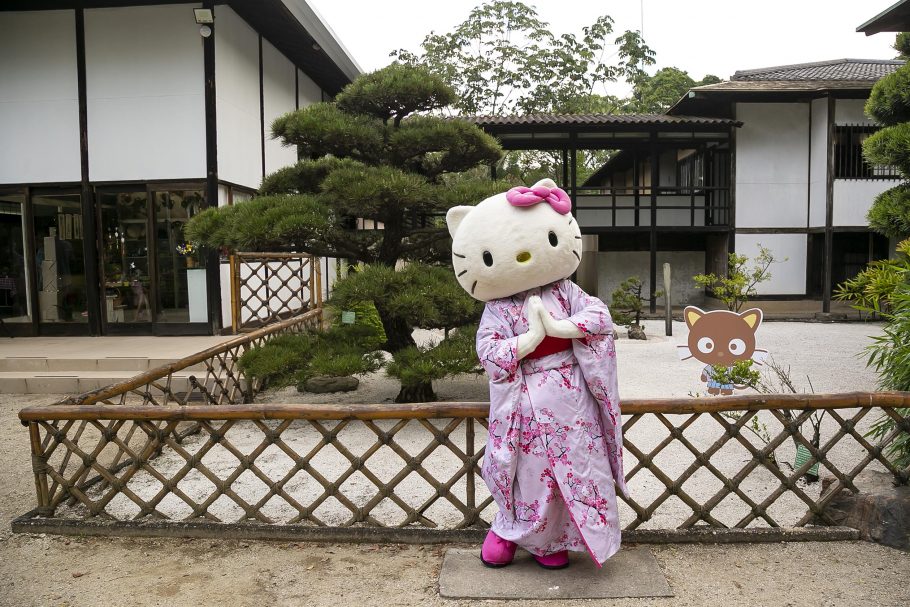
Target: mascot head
{"type": "Point", "coordinates": [514, 241]}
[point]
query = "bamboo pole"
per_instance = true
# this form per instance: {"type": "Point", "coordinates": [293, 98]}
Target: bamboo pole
{"type": "Point", "coordinates": [151, 375]}
{"type": "Point", "coordinates": [39, 467]}
{"type": "Point", "coordinates": [235, 294]}
{"type": "Point", "coordinates": [433, 410]}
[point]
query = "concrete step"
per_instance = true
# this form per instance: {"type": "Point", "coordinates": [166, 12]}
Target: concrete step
{"type": "Point", "coordinates": [43, 364]}
{"type": "Point", "coordinates": [77, 382]}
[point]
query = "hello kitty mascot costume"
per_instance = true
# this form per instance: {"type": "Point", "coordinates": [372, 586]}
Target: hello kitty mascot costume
{"type": "Point", "coordinates": [553, 459]}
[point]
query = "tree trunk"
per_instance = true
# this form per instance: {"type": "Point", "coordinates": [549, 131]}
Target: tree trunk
{"type": "Point", "coordinates": [397, 333]}
{"type": "Point", "coordinates": [419, 393]}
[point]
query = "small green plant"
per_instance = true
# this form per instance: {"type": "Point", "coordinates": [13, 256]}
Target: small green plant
{"type": "Point", "coordinates": [871, 291]}
{"type": "Point", "coordinates": [739, 284]}
{"type": "Point", "coordinates": [885, 287]}
{"type": "Point", "coordinates": [627, 302]}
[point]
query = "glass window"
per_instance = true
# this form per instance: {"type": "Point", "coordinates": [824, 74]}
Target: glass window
{"type": "Point", "coordinates": [59, 258]}
{"type": "Point", "coordinates": [182, 295]}
{"type": "Point", "coordinates": [14, 293]}
{"type": "Point", "coordinates": [125, 257]}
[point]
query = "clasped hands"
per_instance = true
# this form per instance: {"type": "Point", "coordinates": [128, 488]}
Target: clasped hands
{"type": "Point", "coordinates": [541, 324]}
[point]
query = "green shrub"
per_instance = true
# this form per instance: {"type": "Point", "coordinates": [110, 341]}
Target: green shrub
{"type": "Point", "coordinates": [415, 366]}
{"type": "Point", "coordinates": [890, 212]}
{"type": "Point", "coordinates": [890, 146]}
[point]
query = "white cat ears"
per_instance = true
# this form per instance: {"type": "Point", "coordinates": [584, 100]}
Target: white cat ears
{"type": "Point", "coordinates": [455, 216]}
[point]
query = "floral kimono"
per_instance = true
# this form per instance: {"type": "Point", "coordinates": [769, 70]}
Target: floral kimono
{"type": "Point", "coordinates": [554, 456]}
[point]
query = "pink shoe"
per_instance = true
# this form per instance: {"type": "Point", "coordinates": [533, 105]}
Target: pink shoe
{"type": "Point", "coordinates": [497, 552]}
{"type": "Point", "coordinates": [557, 560]}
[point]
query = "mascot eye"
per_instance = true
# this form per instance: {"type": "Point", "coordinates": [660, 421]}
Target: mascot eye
{"type": "Point", "coordinates": [488, 258]}
{"type": "Point", "coordinates": [705, 345]}
{"type": "Point", "coordinates": [737, 346]}
{"type": "Point", "coordinates": [553, 240]}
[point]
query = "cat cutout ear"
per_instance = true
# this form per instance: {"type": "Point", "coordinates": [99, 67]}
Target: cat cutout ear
{"type": "Point", "coordinates": [692, 314]}
{"type": "Point", "coordinates": [455, 216]}
{"type": "Point", "coordinates": [752, 317]}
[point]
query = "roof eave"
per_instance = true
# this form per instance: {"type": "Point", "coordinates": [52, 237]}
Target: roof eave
{"type": "Point", "coordinates": [895, 18]}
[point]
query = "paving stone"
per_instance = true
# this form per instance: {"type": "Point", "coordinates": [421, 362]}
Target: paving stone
{"type": "Point", "coordinates": [632, 572]}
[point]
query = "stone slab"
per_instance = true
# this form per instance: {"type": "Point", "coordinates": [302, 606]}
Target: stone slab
{"type": "Point", "coordinates": [632, 572]}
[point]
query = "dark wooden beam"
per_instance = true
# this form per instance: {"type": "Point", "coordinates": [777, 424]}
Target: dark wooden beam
{"type": "Point", "coordinates": [655, 184]}
{"type": "Point", "coordinates": [90, 234]}
{"type": "Point", "coordinates": [213, 262]}
{"type": "Point", "coordinates": [829, 209]}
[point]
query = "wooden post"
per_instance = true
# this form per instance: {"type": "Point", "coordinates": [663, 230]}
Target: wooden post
{"type": "Point", "coordinates": [235, 294]}
{"type": "Point", "coordinates": [470, 500]}
{"type": "Point", "coordinates": [39, 467]}
{"type": "Point", "coordinates": [655, 182]}
{"type": "Point", "coordinates": [667, 303]}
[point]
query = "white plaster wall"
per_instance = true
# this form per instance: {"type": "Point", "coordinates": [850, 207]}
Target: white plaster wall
{"type": "Point", "coordinates": [613, 267]}
{"type": "Point", "coordinates": [850, 111]}
{"type": "Point", "coordinates": [787, 277]}
{"type": "Point", "coordinates": [279, 97]}
{"type": "Point", "coordinates": [772, 150]}
{"type": "Point", "coordinates": [853, 197]}
{"type": "Point", "coordinates": [308, 92]}
{"type": "Point", "coordinates": [237, 99]}
{"type": "Point", "coordinates": [145, 89]}
{"type": "Point", "coordinates": [818, 163]}
{"type": "Point", "coordinates": [39, 97]}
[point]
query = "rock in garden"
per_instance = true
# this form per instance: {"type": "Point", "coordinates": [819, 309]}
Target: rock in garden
{"type": "Point", "coordinates": [325, 383]}
{"type": "Point", "coordinates": [637, 332]}
{"type": "Point", "coordinates": [880, 511]}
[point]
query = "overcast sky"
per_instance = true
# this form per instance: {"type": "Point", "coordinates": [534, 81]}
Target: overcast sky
{"type": "Point", "coordinates": [699, 36]}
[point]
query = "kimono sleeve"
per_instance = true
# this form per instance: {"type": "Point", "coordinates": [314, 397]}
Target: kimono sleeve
{"type": "Point", "coordinates": [497, 346]}
{"type": "Point", "coordinates": [588, 313]}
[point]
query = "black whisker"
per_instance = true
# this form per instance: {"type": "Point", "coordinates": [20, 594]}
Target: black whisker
{"type": "Point", "coordinates": [571, 219]}
{"type": "Point", "coordinates": [575, 253]}
{"type": "Point", "coordinates": [473, 286]}
{"type": "Point", "coordinates": [578, 237]}
{"type": "Point", "coordinates": [458, 255]}
{"type": "Point", "coordinates": [462, 273]}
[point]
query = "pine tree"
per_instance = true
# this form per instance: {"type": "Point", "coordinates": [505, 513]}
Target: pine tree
{"type": "Point", "coordinates": [376, 156]}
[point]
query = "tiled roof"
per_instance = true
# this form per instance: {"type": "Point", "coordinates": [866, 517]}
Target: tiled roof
{"type": "Point", "coordinates": [868, 70]}
{"type": "Point", "coordinates": [747, 86]}
{"type": "Point", "coordinates": [595, 120]}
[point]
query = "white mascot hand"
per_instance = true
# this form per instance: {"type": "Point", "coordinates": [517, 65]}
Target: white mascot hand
{"type": "Point", "coordinates": [528, 342]}
{"type": "Point", "coordinates": [560, 328]}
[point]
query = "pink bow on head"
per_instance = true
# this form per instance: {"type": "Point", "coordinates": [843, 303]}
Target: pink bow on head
{"type": "Point", "coordinates": [524, 197]}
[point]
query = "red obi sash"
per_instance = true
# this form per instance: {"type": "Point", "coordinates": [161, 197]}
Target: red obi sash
{"type": "Point", "coordinates": [550, 345]}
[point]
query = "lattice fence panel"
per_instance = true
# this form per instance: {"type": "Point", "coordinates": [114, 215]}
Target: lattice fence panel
{"type": "Point", "coordinates": [269, 287]}
{"type": "Point", "coordinates": [343, 466]}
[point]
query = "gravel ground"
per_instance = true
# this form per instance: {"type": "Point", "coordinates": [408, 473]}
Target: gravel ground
{"type": "Point", "coordinates": [39, 570]}
{"type": "Point", "coordinates": [827, 353]}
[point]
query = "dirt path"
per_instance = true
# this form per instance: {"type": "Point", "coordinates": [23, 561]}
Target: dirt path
{"type": "Point", "coordinates": [49, 570]}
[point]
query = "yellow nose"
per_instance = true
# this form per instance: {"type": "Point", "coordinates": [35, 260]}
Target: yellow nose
{"type": "Point", "coordinates": [523, 257]}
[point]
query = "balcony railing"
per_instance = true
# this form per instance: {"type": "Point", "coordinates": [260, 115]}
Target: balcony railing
{"type": "Point", "coordinates": [630, 206]}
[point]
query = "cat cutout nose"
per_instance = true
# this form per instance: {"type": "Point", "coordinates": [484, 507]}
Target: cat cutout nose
{"type": "Point", "coordinates": [523, 257]}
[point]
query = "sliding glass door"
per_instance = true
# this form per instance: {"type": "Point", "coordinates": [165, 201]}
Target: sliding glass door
{"type": "Point", "coordinates": [15, 294]}
{"type": "Point", "coordinates": [59, 259]}
{"type": "Point", "coordinates": [125, 255]}
{"type": "Point", "coordinates": [182, 295]}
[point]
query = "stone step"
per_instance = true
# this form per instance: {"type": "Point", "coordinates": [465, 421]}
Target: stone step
{"type": "Point", "coordinates": [42, 364]}
{"type": "Point", "coordinates": [77, 382]}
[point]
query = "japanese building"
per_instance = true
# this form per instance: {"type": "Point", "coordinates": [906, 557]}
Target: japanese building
{"type": "Point", "coordinates": [120, 121]}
